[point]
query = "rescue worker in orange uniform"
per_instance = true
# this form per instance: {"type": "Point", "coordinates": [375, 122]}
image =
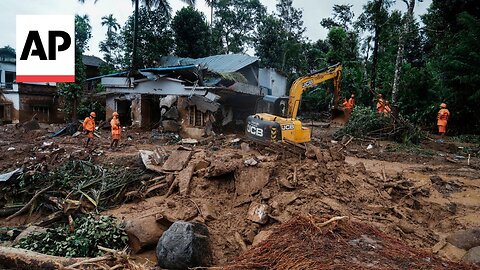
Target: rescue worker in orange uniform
{"type": "Point", "coordinates": [116, 130]}
{"type": "Point", "coordinates": [89, 126]}
{"type": "Point", "coordinates": [387, 109]}
{"type": "Point", "coordinates": [442, 119]}
{"type": "Point", "coordinates": [351, 101]}
{"type": "Point", "coordinates": [380, 103]}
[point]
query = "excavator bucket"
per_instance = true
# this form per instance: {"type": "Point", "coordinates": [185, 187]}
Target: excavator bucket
{"type": "Point", "coordinates": [339, 116]}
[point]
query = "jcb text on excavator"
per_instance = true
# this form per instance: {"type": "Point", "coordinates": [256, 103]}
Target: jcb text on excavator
{"type": "Point", "coordinates": [276, 117]}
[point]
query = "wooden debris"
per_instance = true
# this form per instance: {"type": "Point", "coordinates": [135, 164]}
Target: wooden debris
{"type": "Point", "coordinates": [15, 258]}
{"type": "Point", "coordinates": [184, 178]}
{"type": "Point", "coordinates": [29, 204]}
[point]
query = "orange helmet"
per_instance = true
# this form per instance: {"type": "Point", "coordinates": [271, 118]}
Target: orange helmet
{"type": "Point", "coordinates": [115, 114]}
{"type": "Point", "coordinates": [93, 114]}
{"type": "Point", "coordinates": [443, 105]}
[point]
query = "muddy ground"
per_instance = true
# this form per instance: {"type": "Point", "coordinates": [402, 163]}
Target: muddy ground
{"type": "Point", "coordinates": [419, 194]}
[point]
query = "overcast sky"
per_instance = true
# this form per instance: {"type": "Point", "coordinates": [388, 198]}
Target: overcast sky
{"type": "Point", "coordinates": [313, 12]}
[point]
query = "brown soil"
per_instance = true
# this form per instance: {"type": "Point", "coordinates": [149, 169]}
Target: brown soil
{"type": "Point", "coordinates": [415, 197]}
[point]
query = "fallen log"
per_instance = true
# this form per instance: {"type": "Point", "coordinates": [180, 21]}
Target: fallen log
{"type": "Point", "coordinates": [15, 258]}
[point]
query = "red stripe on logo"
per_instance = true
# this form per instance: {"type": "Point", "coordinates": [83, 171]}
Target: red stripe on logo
{"type": "Point", "coordinates": [45, 78]}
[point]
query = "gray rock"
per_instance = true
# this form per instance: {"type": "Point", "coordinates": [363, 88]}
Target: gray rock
{"type": "Point", "coordinates": [465, 239]}
{"type": "Point", "coordinates": [472, 256]}
{"type": "Point", "coordinates": [184, 245]}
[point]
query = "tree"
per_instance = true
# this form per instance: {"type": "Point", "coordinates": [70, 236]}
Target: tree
{"type": "Point", "coordinates": [342, 17]}
{"type": "Point", "coordinates": [72, 92]}
{"type": "Point", "coordinates": [110, 46]}
{"type": "Point", "coordinates": [7, 53]}
{"type": "Point", "coordinates": [235, 23]}
{"type": "Point", "coordinates": [374, 16]}
{"type": "Point", "coordinates": [159, 5]}
{"type": "Point", "coordinates": [401, 48]}
{"type": "Point", "coordinates": [453, 30]}
{"type": "Point", "coordinates": [154, 34]}
{"type": "Point", "coordinates": [191, 33]}
{"type": "Point", "coordinates": [269, 46]}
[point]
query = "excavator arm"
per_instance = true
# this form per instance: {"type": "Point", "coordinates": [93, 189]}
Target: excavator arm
{"type": "Point", "coordinates": [301, 84]}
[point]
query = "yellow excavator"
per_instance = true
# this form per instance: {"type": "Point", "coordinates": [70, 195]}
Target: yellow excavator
{"type": "Point", "coordinates": [276, 117]}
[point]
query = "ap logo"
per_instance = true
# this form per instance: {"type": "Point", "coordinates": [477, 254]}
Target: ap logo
{"type": "Point", "coordinates": [45, 48]}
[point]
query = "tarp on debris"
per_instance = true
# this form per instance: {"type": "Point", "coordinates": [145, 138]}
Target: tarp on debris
{"type": "Point", "coordinates": [13, 174]}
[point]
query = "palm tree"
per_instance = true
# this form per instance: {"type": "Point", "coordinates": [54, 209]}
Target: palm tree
{"type": "Point", "coordinates": [111, 23]}
{"type": "Point", "coordinates": [151, 4]}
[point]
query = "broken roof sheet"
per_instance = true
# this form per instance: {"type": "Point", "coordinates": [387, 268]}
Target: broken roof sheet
{"type": "Point", "coordinates": [91, 60]}
{"type": "Point", "coordinates": [215, 63]}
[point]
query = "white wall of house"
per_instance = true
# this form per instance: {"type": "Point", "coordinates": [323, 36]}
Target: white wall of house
{"type": "Point", "coordinates": [270, 78]}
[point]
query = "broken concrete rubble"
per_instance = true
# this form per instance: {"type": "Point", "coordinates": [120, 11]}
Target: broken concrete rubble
{"type": "Point", "coordinates": [177, 160]}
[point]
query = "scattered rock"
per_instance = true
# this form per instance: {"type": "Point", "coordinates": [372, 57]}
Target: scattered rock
{"type": "Point", "coordinates": [405, 226]}
{"type": "Point", "coordinates": [221, 166]}
{"type": "Point", "coordinates": [202, 164]}
{"type": "Point", "coordinates": [283, 199]}
{"type": "Point", "coordinates": [452, 252]}
{"type": "Point", "coordinates": [258, 212]}
{"type": "Point", "coordinates": [245, 147]}
{"type": "Point", "coordinates": [189, 141]}
{"type": "Point", "coordinates": [251, 180]}
{"type": "Point", "coordinates": [184, 245]}
{"type": "Point", "coordinates": [472, 256]}
{"type": "Point", "coordinates": [465, 239]}
{"type": "Point", "coordinates": [250, 162]}
{"type": "Point", "coordinates": [261, 236]}
{"type": "Point", "coordinates": [143, 233]}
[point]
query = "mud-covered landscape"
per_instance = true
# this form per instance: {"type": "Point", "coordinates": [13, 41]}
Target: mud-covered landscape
{"type": "Point", "coordinates": [389, 201]}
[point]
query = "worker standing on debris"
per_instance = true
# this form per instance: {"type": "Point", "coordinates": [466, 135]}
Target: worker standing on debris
{"type": "Point", "coordinates": [116, 130]}
{"type": "Point", "coordinates": [442, 119]}
{"type": "Point", "coordinates": [89, 126]}
{"type": "Point", "coordinates": [380, 103]}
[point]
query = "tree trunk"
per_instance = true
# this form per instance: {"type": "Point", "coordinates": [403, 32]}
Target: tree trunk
{"type": "Point", "coordinates": [15, 258]}
{"type": "Point", "coordinates": [376, 39]}
{"type": "Point", "coordinates": [75, 110]}
{"type": "Point", "coordinates": [135, 33]}
{"type": "Point", "coordinates": [400, 54]}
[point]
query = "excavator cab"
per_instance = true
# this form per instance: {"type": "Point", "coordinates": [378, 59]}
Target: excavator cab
{"type": "Point", "coordinates": [272, 105]}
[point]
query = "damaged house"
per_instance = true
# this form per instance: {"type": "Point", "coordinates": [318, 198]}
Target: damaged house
{"type": "Point", "coordinates": [192, 96]}
{"type": "Point", "coordinates": [20, 102]}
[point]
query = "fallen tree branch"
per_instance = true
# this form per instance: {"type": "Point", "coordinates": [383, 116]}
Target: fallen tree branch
{"type": "Point", "coordinates": [331, 220]}
{"type": "Point", "coordinates": [89, 261]}
{"type": "Point", "coordinates": [26, 206]}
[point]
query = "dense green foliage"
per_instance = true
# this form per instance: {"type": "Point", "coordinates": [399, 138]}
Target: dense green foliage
{"type": "Point", "coordinates": [440, 61]}
{"type": "Point", "coordinates": [154, 35]}
{"type": "Point", "coordinates": [191, 33]}
{"type": "Point", "coordinates": [364, 122]}
{"type": "Point", "coordinates": [90, 231]}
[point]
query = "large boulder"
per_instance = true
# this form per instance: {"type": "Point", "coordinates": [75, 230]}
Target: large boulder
{"type": "Point", "coordinates": [465, 239]}
{"type": "Point", "coordinates": [184, 245]}
{"type": "Point", "coordinates": [472, 256]}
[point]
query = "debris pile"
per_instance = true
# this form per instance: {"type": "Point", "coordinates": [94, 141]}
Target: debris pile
{"type": "Point", "coordinates": [315, 243]}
